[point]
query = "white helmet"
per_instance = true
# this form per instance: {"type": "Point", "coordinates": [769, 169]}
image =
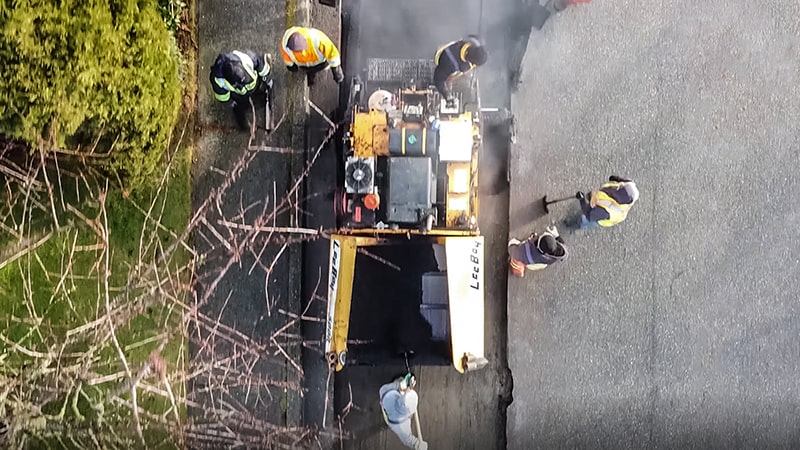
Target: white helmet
{"type": "Point", "coordinates": [381, 100]}
{"type": "Point", "coordinates": [406, 404]}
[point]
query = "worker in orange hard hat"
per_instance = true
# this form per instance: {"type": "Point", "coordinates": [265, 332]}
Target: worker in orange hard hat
{"type": "Point", "coordinates": [454, 60]}
{"type": "Point", "coordinates": [311, 50]}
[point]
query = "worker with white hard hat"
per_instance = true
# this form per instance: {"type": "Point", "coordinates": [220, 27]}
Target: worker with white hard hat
{"type": "Point", "coordinates": [399, 404]}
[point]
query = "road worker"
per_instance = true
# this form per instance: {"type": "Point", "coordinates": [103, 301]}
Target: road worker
{"type": "Point", "coordinates": [399, 404]}
{"type": "Point", "coordinates": [236, 77]}
{"type": "Point", "coordinates": [311, 50]}
{"type": "Point", "coordinates": [454, 60]}
{"type": "Point", "coordinates": [608, 205]}
{"type": "Point", "coordinates": [536, 252]}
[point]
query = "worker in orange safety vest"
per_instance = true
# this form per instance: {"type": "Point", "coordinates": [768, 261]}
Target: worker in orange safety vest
{"type": "Point", "coordinates": [311, 50]}
{"type": "Point", "coordinates": [608, 205]}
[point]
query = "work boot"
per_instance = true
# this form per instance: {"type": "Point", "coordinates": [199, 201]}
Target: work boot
{"type": "Point", "coordinates": [517, 268]}
{"type": "Point", "coordinates": [240, 115]}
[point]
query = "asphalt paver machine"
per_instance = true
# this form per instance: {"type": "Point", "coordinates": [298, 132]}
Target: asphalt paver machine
{"type": "Point", "coordinates": [409, 182]}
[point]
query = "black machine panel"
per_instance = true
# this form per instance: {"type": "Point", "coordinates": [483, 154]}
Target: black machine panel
{"type": "Point", "coordinates": [413, 141]}
{"type": "Point", "coordinates": [411, 188]}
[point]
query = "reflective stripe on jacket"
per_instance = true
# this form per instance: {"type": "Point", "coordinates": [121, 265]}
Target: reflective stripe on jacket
{"type": "Point", "coordinates": [455, 57]}
{"type": "Point", "coordinates": [528, 255]}
{"type": "Point", "coordinates": [249, 62]}
{"type": "Point", "coordinates": [320, 49]}
{"type": "Point", "coordinates": [617, 212]}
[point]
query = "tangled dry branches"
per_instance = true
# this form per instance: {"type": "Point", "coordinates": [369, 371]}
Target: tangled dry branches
{"type": "Point", "coordinates": [108, 346]}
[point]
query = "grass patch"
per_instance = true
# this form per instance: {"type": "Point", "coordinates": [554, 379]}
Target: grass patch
{"type": "Point", "coordinates": [64, 382]}
{"type": "Point", "coordinates": [57, 348]}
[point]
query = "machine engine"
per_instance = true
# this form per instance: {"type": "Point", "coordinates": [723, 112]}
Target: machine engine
{"type": "Point", "coordinates": [410, 163]}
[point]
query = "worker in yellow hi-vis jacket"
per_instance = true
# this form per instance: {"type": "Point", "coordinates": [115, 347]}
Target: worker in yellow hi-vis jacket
{"type": "Point", "coordinates": [608, 205]}
{"type": "Point", "coordinates": [311, 50]}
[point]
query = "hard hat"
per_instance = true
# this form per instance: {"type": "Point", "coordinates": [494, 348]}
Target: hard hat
{"type": "Point", "coordinates": [547, 244]}
{"type": "Point", "coordinates": [406, 404]}
{"type": "Point", "coordinates": [381, 100]}
{"type": "Point", "coordinates": [236, 75]}
{"type": "Point", "coordinates": [633, 191]}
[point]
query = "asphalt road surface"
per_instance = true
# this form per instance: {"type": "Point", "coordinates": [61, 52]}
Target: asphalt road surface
{"type": "Point", "coordinates": [457, 411]}
{"type": "Point", "coordinates": [239, 298]}
{"type": "Point", "coordinates": [678, 328]}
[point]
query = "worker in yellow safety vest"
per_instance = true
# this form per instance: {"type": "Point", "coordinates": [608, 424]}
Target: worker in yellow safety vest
{"type": "Point", "coordinates": [311, 50]}
{"type": "Point", "coordinates": [454, 60]}
{"type": "Point", "coordinates": [608, 205]}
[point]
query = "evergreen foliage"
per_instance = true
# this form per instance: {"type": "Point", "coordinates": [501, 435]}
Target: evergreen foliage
{"type": "Point", "coordinates": [79, 71]}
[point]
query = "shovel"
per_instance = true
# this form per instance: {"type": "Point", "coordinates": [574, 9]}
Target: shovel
{"type": "Point", "coordinates": [416, 414]}
{"type": "Point", "coordinates": [546, 203]}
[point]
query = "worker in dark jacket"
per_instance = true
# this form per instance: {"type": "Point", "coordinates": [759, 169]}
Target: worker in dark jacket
{"type": "Point", "coordinates": [608, 205]}
{"type": "Point", "coordinates": [454, 60]}
{"type": "Point", "coordinates": [536, 252]}
{"type": "Point", "coordinates": [238, 75]}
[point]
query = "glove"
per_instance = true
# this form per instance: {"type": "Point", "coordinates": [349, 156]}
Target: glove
{"type": "Point", "coordinates": [580, 195]}
{"type": "Point", "coordinates": [293, 68]}
{"type": "Point", "coordinates": [617, 179]}
{"type": "Point", "coordinates": [451, 102]}
{"type": "Point", "coordinates": [338, 75]}
{"type": "Point", "coordinates": [552, 230]}
{"type": "Point", "coordinates": [267, 80]}
{"type": "Point", "coordinates": [408, 381]}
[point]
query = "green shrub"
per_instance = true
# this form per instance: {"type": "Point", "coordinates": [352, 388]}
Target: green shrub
{"type": "Point", "coordinates": [78, 70]}
{"type": "Point", "coordinates": [171, 11]}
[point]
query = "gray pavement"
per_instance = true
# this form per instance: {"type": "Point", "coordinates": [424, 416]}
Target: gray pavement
{"type": "Point", "coordinates": [318, 213]}
{"type": "Point", "coordinates": [251, 384]}
{"type": "Point", "coordinates": [678, 328]}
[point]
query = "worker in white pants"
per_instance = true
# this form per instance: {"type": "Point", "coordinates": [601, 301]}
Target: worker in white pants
{"type": "Point", "coordinates": [399, 404]}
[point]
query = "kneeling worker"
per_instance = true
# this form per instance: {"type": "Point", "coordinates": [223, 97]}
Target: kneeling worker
{"type": "Point", "coordinates": [454, 60]}
{"type": "Point", "coordinates": [236, 76]}
{"type": "Point", "coordinates": [537, 252]}
{"type": "Point", "coordinates": [311, 50]}
{"type": "Point", "coordinates": [399, 404]}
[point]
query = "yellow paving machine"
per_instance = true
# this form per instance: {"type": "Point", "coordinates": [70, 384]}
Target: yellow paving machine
{"type": "Point", "coordinates": [409, 180]}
